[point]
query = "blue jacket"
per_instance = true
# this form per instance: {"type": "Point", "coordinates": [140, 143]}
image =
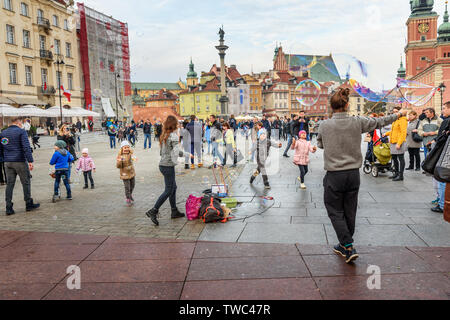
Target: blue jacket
{"type": "Point", "coordinates": [61, 159]}
{"type": "Point", "coordinates": [15, 146]}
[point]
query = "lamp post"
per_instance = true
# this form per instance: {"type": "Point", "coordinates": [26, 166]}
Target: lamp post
{"type": "Point", "coordinates": [442, 88]}
{"type": "Point", "coordinates": [59, 61]}
{"type": "Point", "coordinates": [116, 76]}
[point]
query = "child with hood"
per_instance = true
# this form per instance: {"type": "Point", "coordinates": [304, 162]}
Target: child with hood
{"type": "Point", "coordinates": [302, 149]}
{"type": "Point", "coordinates": [86, 165]}
{"type": "Point", "coordinates": [262, 148]}
{"type": "Point", "coordinates": [61, 159]}
{"type": "Point", "coordinates": [125, 162]}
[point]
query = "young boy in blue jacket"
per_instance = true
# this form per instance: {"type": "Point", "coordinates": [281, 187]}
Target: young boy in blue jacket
{"type": "Point", "coordinates": [61, 159]}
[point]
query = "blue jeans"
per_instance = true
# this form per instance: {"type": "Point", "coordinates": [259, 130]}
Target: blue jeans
{"type": "Point", "coordinates": [112, 142]}
{"type": "Point", "coordinates": [216, 152]}
{"type": "Point", "coordinates": [148, 137]}
{"type": "Point", "coordinates": [70, 171]}
{"type": "Point", "coordinates": [441, 191]}
{"type": "Point", "coordinates": [64, 175]}
{"type": "Point", "coordinates": [289, 144]}
{"type": "Point", "coordinates": [132, 139]}
{"type": "Point", "coordinates": [209, 147]}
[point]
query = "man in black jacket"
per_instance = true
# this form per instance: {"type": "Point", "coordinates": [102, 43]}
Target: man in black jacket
{"type": "Point", "coordinates": [147, 134]}
{"type": "Point", "coordinates": [293, 131]}
{"type": "Point", "coordinates": [15, 150]}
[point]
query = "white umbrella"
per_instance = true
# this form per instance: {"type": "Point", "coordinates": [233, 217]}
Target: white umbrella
{"type": "Point", "coordinates": [33, 111]}
{"type": "Point", "coordinates": [84, 112]}
{"type": "Point", "coordinates": [9, 111]}
{"type": "Point", "coordinates": [55, 112]}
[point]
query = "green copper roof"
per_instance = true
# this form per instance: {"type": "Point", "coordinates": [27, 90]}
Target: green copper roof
{"type": "Point", "coordinates": [401, 72]}
{"type": "Point", "coordinates": [444, 29]}
{"type": "Point", "coordinates": [155, 86]}
{"type": "Point", "coordinates": [422, 8]}
{"type": "Point", "coordinates": [191, 73]}
{"type": "Point", "coordinates": [324, 71]}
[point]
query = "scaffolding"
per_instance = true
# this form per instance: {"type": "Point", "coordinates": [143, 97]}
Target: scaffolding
{"type": "Point", "coordinates": [105, 60]}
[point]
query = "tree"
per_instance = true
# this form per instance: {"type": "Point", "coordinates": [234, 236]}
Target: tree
{"type": "Point", "coordinates": [369, 107]}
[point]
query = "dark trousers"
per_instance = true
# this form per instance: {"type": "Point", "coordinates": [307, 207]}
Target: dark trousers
{"type": "Point", "coordinates": [64, 175]}
{"type": "Point", "coordinates": [132, 139]}
{"type": "Point", "coordinates": [170, 190]}
{"type": "Point", "coordinates": [303, 172]}
{"type": "Point", "coordinates": [341, 190]}
{"type": "Point", "coordinates": [399, 163]}
{"type": "Point", "coordinates": [289, 144]}
{"type": "Point", "coordinates": [414, 157]}
{"type": "Point", "coordinates": [129, 187]}
{"type": "Point", "coordinates": [14, 169]}
{"type": "Point", "coordinates": [2, 172]}
{"type": "Point", "coordinates": [148, 137]}
{"type": "Point", "coordinates": [261, 169]}
{"type": "Point", "coordinates": [88, 174]}
{"type": "Point", "coordinates": [112, 142]}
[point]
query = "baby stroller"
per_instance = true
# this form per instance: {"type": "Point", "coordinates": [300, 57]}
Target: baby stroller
{"type": "Point", "coordinates": [378, 158]}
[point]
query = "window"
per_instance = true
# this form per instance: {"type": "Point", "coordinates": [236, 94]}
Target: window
{"type": "Point", "coordinates": [251, 100]}
{"type": "Point", "coordinates": [68, 50]}
{"type": "Point", "coordinates": [58, 78]}
{"type": "Point", "coordinates": [207, 98]}
{"type": "Point", "coordinates": [55, 21]}
{"type": "Point", "coordinates": [44, 76]}
{"type": "Point", "coordinates": [207, 108]}
{"type": "Point", "coordinates": [256, 100]}
{"type": "Point", "coordinates": [7, 4]}
{"type": "Point", "coordinates": [42, 42]}
{"type": "Point", "coordinates": [26, 39]}
{"type": "Point", "coordinates": [57, 46]}
{"type": "Point", "coordinates": [40, 14]}
{"type": "Point", "coordinates": [10, 34]}
{"type": "Point", "coordinates": [217, 97]}
{"type": "Point", "coordinates": [423, 38]}
{"type": "Point", "coordinates": [182, 99]}
{"type": "Point", "coordinates": [70, 81]}
{"type": "Point", "coordinates": [13, 73]}
{"type": "Point", "coordinates": [28, 75]}
{"type": "Point", "coordinates": [198, 99]}
{"type": "Point", "coordinates": [218, 108]}
{"type": "Point", "coordinates": [66, 25]}
{"type": "Point", "coordinates": [359, 107]}
{"type": "Point", "coordinates": [24, 10]}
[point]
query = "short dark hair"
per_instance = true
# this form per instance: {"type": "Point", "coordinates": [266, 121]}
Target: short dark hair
{"type": "Point", "coordinates": [213, 116]}
{"type": "Point", "coordinates": [15, 119]}
{"type": "Point", "coordinates": [447, 104]}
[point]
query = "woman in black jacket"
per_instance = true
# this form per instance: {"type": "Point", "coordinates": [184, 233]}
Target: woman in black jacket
{"type": "Point", "coordinates": [65, 135]}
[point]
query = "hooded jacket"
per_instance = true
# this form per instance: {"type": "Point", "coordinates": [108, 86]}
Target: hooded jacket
{"type": "Point", "coordinates": [61, 159]}
{"type": "Point", "coordinates": [302, 149]}
{"type": "Point", "coordinates": [86, 164]}
{"type": "Point", "coordinates": [125, 164]}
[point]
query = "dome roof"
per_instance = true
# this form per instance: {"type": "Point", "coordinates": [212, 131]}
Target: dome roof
{"type": "Point", "coordinates": [421, 7]}
{"type": "Point", "coordinates": [401, 72]}
{"type": "Point", "coordinates": [444, 28]}
{"type": "Point", "coordinates": [191, 73]}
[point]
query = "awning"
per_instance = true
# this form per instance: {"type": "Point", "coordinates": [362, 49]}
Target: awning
{"type": "Point", "coordinates": [107, 109]}
{"type": "Point", "coordinates": [5, 100]}
{"type": "Point", "coordinates": [28, 101]}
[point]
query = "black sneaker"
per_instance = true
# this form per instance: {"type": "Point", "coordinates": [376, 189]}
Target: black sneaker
{"type": "Point", "coordinates": [407, 169]}
{"type": "Point", "coordinates": [32, 206]}
{"type": "Point", "coordinates": [85, 187]}
{"type": "Point", "coordinates": [285, 155]}
{"type": "Point", "coordinates": [152, 215]}
{"type": "Point", "coordinates": [340, 250]}
{"type": "Point", "coordinates": [418, 169]}
{"type": "Point", "coordinates": [177, 214]}
{"type": "Point", "coordinates": [9, 211]}
{"type": "Point", "coordinates": [252, 179]}
{"type": "Point", "coordinates": [69, 197]}
{"type": "Point", "coordinates": [267, 187]}
{"type": "Point", "coordinates": [92, 187]}
{"type": "Point", "coordinates": [437, 210]}
{"type": "Point", "coordinates": [350, 254]}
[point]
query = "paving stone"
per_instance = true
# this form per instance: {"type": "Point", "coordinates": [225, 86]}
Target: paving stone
{"type": "Point", "coordinates": [33, 272]}
{"type": "Point", "coordinates": [52, 252]}
{"type": "Point", "coordinates": [280, 233]}
{"type": "Point", "coordinates": [255, 289]}
{"type": "Point", "coordinates": [228, 232]}
{"type": "Point", "coordinates": [24, 291]}
{"type": "Point", "coordinates": [433, 235]}
{"type": "Point", "coordinates": [204, 250]}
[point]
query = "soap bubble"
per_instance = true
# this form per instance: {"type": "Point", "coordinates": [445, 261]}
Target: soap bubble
{"type": "Point", "coordinates": [307, 92]}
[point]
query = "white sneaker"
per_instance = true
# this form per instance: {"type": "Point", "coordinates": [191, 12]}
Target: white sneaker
{"type": "Point", "coordinates": [303, 186]}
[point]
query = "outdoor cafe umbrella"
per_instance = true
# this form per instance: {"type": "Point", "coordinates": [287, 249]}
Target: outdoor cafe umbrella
{"type": "Point", "coordinates": [33, 111]}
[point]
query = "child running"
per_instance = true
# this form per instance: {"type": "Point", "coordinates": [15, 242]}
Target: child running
{"type": "Point", "coordinates": [340, 137]}
{"type": "Point", "coordinates": [124, 162]}
{"type": "Point", "coordinates": [262, 148]}
{"type": "Point", "coordinates": [61, 159]}
{"type": "Point", "coordinates": [86, 165]}
{"type": "Point", "coordinates": [302, 149]}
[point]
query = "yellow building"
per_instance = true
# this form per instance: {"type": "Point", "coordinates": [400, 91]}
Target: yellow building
{"type": "Point", "coordinates": [256, 101]}
{"type": "Point", "coordinates": [35, 35]}
{"type": "Point", "coordinates": [147, 89]}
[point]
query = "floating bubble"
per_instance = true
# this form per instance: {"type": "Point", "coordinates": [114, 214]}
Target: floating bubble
{"type": "Point", "coordinates": [307, 92]}
{"type": "Point", "coordinates": [415, 93]}
{"type": "Point", "coordinates": [375, 96]}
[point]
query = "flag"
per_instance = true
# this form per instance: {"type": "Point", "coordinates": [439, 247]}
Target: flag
{"type": "Point", "coordinates": [66, 93]}
{"type": "Point", "coordinates": [45, 86]}
{"type": "Point", "coordinates": [376, 137]}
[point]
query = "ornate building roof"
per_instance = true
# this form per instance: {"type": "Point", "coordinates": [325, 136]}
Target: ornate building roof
{"type": "Point", "coordinates": [444, 28]}
{"type": "Point", "coordinates": [422, 7]}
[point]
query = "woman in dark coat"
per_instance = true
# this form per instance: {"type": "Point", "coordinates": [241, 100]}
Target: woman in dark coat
{"type": "Point", "coordinates": [65, 135]}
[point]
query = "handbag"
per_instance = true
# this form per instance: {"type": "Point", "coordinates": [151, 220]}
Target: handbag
{"type": "Point", "coordinates": [430, 162]}
{"type": "Point", "coordinates": [442, 169]}
{"type": "Point", "coordinates": [415, 136]}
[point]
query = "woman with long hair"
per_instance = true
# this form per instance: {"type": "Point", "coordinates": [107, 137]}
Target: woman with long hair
{"type": "Point", "coordinates": [65, 135]}
{"type": "Point", "coordinates": [170, 151]}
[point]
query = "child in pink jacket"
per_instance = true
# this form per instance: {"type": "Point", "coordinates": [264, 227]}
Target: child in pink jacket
{"type": "Point", "coordinates": [302, 149]}
{"type": "Point", "coordinates": [86, 164]}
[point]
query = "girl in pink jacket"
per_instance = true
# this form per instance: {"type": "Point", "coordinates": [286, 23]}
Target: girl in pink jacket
{"type": "Point", "coordinates": [86, 164]}
{"type": "Point", "coordinates": [302, 149]}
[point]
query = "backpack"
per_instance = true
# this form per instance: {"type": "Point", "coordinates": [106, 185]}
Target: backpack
{"type": "Point", "coordinates": [211, 210]}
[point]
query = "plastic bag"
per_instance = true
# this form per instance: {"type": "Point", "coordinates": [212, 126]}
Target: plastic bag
{"type": "Point", "coordinates": [193, 204]}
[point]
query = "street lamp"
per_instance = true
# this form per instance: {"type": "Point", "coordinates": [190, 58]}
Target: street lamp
{"type": "Point", "coordinates": [442, 88]}
{"type": "Point", "coordinates": [59, 61]}
{"type": "Point", "coordinates": [117, 76]}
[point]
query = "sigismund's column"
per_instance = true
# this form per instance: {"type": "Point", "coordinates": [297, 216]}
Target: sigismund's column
{"type": "Point", "coordinates": [223, 99]}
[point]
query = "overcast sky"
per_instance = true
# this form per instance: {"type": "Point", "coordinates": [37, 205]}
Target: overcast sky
{"type": "Point", "coordinates": [164, 34]}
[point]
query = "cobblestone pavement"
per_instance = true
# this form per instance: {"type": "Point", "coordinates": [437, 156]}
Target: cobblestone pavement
{"type": "Point", "coordinates": [390, 214]}
{"type": "Point", "coordinates": [35, 266]}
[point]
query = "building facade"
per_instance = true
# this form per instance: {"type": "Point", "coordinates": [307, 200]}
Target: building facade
{"type": "Point", "coordinates": [428, 51]}
{"type": "Point", "coordinates": [36, 34]}
{"type": "Point", "coordinates": [147, 89]}
{"type": "Point", "coordinates": [255, 97]}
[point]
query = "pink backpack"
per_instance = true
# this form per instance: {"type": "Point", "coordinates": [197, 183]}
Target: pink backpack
{"type": "Point", "coordinates": [192, 207]}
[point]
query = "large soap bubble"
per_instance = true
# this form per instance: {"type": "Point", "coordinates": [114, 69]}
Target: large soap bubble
{"type": "Point", "coordinates": [308, 92]}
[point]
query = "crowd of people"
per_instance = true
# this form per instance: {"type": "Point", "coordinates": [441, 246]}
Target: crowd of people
{"type": "Point", "coordinates": [340, 137]}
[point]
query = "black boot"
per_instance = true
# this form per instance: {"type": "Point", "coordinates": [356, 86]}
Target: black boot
{"type": "Point", "coordinates": [395, 175]}
{"type": "Point", "coordinates": [85, 186]}
{"type": "Point", "coordinates": [152, 215]}
{"type": "Point", "coordinates": [32, 206]}
{"type": "Point", "coordinates": [9, 210]}
{"type": "Point", "coordinates": [186, 166]}
{"type": "Point", "coordinates": [177, 214]}
{"type": "Point", "coordinates": [399, 177]}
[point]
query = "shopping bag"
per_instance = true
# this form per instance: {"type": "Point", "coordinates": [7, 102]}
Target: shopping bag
{"type": "Point", "coordinates": [193, 204]}
{"type": "Point", "coordinates": [442, 169]}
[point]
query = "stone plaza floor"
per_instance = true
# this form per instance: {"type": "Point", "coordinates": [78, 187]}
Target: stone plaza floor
{"type": "Point", "coordinates": [278, 249]}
